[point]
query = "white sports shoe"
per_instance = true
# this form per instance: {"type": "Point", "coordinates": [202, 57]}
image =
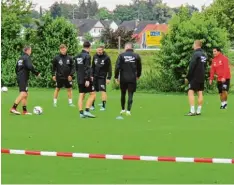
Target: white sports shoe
{"type": "Point", "coordinates": [122, 112]}
{"type": "Point", "coordinates": [128, 113]}
{"type": "Point", "coordinates": [14, 111]}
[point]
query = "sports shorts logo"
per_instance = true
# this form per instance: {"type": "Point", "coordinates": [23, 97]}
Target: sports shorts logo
{"type": "Point", "coordinates": [224, 86]}
{"type": "Point", "coordinates": [102, 86]}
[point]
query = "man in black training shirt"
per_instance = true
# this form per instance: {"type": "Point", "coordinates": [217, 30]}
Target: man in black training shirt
{"type": "Point", "coordinates": [83, 70]}
{"type": "Point", "coordinates": [23, 68]}
{"type": "Point", "coordinates": [101, 72]}
{"type": "Point", "coordinates": [127, 72]}
{"type": "Point", "coordinates": [62, 72]}
{"type": "Point", "coordinates": [196, 77]}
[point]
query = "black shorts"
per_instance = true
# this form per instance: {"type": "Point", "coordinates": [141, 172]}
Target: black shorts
{"type": "Point", "coordinates": [223, 86]}
{"type": "Point", "coordinates": [130, 87]}
{"type": "Point", "coordinates": [83, 89]}
{"type": "Point", "coordinates": [196, 86]}
{"type": "Point", "coordinates": [63, 83]}
{"type": "Point", "coordinates": [100, 84]}
{"type": "Point", "coordinates": [23, 85]}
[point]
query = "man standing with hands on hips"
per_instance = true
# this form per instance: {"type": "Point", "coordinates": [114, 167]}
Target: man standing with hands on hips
{"type": "Point", "coordinates": [220, 67]}
{"type": "Point", "coordinates": [62, 72]}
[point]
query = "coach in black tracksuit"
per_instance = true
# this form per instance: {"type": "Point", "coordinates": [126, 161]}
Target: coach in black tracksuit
{"type": "Point", "coordinates": [102, 73]}
{"type": "Point", "coordinates": [62, 72]}
{"type": "Point", "coordinates": [127, 71]}
{"type": "Point", "coordinates": [196, 77]}
{"type": "Point", "coordinates": [23, 68]}
{"type": "Point", "coordinates": [83, 70]}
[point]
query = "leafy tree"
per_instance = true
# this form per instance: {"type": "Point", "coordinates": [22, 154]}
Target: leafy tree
{"type": "Point", "coordinates": [45, 41]}
{"type": "Point", "coordinates": [223, 11]}
{"type": "Point", "coordinates": [56, 10]}
{"type": "Point", "coordinates": [14, 14]}
{"type": "Point", "coordinates": [110, 38]}
{"type": "Point", "coordinates": [125, 13]}
{"type": "Point", "coordinates": [88, 37]}
{"type": "Point", "coordinates": [103, 14]}
{"type": "Point", "coordinates": [176, 49]}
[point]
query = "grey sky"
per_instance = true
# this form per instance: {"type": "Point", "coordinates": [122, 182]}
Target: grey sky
{"type": "Point", "coordinates": [110, 4]}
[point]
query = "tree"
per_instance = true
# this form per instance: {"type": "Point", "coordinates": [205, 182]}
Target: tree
{"type": "Point", "coordinates": [88, 37]}
{"type": "Point", "coordinates": [125, 13]}
{"type": "Point", "coordinates": [56, 10]}
{"type": "Point", "coordinates": [162, 13]}
{"type": "Point", "coordinates": [14, 14]}
{"type": "Point", "coordinates": [45, 41]}
{"type": "Point", "coordinates": [110, 38]}
{"type": "Point", "coordinates": [92, 7]}
{"type": "Point", "coordinates": [176, 49]}
{"type": "Point", "coordinates": [223, 11]}
{"type": "Point", "coordinates": [191, 8]}
{"type": "Point", "coordinates": [103, 14]}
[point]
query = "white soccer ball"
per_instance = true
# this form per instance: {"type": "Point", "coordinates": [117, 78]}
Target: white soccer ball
{"type": "Point", "coordinates": [4, 89]}
{"type": "Point", "coordinates": [37, 110]}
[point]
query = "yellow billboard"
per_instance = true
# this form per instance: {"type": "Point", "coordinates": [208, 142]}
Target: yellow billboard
{"type": "Point", "coordinates": [153, 38]}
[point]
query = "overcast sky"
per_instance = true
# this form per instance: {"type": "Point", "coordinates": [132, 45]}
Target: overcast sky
{"type": "Point", "coordinates": [110, 4]}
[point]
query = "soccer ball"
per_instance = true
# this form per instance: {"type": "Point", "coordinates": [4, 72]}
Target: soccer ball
{"type": "Point", "coordinates": [37, 110]}
{"type": "Point", "coordinates": [4, 89]}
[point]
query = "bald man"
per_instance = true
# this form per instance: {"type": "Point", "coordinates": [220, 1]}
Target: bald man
{"type": "Point", "coordinates": [127, 72]}
{"type": "Point", "coordinates": [196, 78]}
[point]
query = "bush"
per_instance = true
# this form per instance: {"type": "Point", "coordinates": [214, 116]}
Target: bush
{"type": "Point", "coordinates": [176, 49]}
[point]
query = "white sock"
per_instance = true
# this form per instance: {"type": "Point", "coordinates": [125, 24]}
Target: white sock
{"type": "Point", "coordinates": [192, 109]}
{"type": "Point", "coordinates": [199, 109]}
{"type": "Point", "coordinates": [223, 103]}
{"type": "Point", "coordinates": [70, 101]}
{"type": "Point", "coordinates": [55, 101]}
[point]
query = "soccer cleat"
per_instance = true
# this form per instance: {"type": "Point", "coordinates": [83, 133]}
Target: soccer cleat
{"type": "Point", "coordinates": [89, 115]}
{"type": "Point", "coordinates": [71, 105]}
{"type": "Point", "coordinates": [27, 113]}
{"type": "Point", "coordinates": [191, 114]}
{"type": "Point", "coordinates": [128, 113]}
{"type": "Point", "coordinates": [14, 111]}
{"type": "Point", "coordinates": [198, 114]}
{"type": "Point", "coordinates": [225, 106]}
{"type": "Point", "coordinates": [82, 116]}
{"type": "Point", "coordinates": [92, 108]}
{"type": "Point", "coordinates": [122, 112]}
{"type": "Point", "coordinates": [102, 109]}
{"type": "Point", "coordinates": [55, 104]}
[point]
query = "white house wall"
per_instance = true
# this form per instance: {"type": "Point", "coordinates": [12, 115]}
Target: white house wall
{"type": "Point", "coordinates": [97, 29]}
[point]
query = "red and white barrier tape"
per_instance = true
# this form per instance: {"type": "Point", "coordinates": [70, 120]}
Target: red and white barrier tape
{"type": "Point", "coordinates": [119, 157]}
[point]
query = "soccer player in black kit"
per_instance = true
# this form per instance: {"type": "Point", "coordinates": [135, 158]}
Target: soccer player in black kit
{"type": "Point", "coordinates": [23, 68]}
{"type": "Point", "coordinates": [102, 72]}
{"type": "Point", "coordinates": [127, 71]}
{"type": "Point", "coordinates": [62, 72]}
{"type": "Point", "coordinates": [84, 70]}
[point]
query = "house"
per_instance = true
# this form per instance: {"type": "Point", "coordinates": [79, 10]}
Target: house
{"type": "Point", "coordinates": [110, 24]}
{"type": "Point", "coordinates": [94, 27]}
{"type": "Point", "coordinates": [151, 35]}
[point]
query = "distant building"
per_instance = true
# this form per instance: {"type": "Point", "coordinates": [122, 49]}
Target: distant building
{"type": "Point", "coordinates": [110, 24]}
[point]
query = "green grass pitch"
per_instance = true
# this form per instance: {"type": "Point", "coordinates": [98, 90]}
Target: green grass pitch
{"type": "Point", "coordinates": [157, 127]}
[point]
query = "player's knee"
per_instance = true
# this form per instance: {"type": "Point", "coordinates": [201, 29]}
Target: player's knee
{"type": "Point", "coordinates": [57, 89]}
{"type": "Point", "coordinates": [24, 94]}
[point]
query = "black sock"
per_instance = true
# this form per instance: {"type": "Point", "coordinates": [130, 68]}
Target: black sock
{"type": "Point", "coordinates": [93, 103]}
{"type": "Point", "coordinates": [104, 104]}
{"type": "Point", "coordinates": [87, 109]}
{"type": "Point", "coordinates": [123, 94]}
{"type": "Point", "coordinates": [130, 100]}
{"type": "Point", "coordinates": [24, 108]}
{"type": "Point", "coordinates": [81, 112]}
{"type": "Point", "coordinates": [15, 106]}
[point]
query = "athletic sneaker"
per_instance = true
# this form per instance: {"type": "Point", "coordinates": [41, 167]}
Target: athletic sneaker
{"type": "Point", "coordinates": [128, 113]}
{"type": "Point", "coordinates": [71, 105]}
{"type": "Point", "coordinates": [122, 112]}
{"type": "Point", "coordinates": [89, 115]}
{"type": "Point", "coordinates": [92, 108]}
{"type": "Point", "coordinates": [191, 114]}
{"type": "Point", "coordinates": [102, 109]}
{"type": "Point", "coordinates": [14, 111]}
{"type": "Point", "coordinates": [82, 116]}
{"type": "Point", "coordinates": [224, 106]}
{"type": "Point", "coordinates": [27, 113]}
